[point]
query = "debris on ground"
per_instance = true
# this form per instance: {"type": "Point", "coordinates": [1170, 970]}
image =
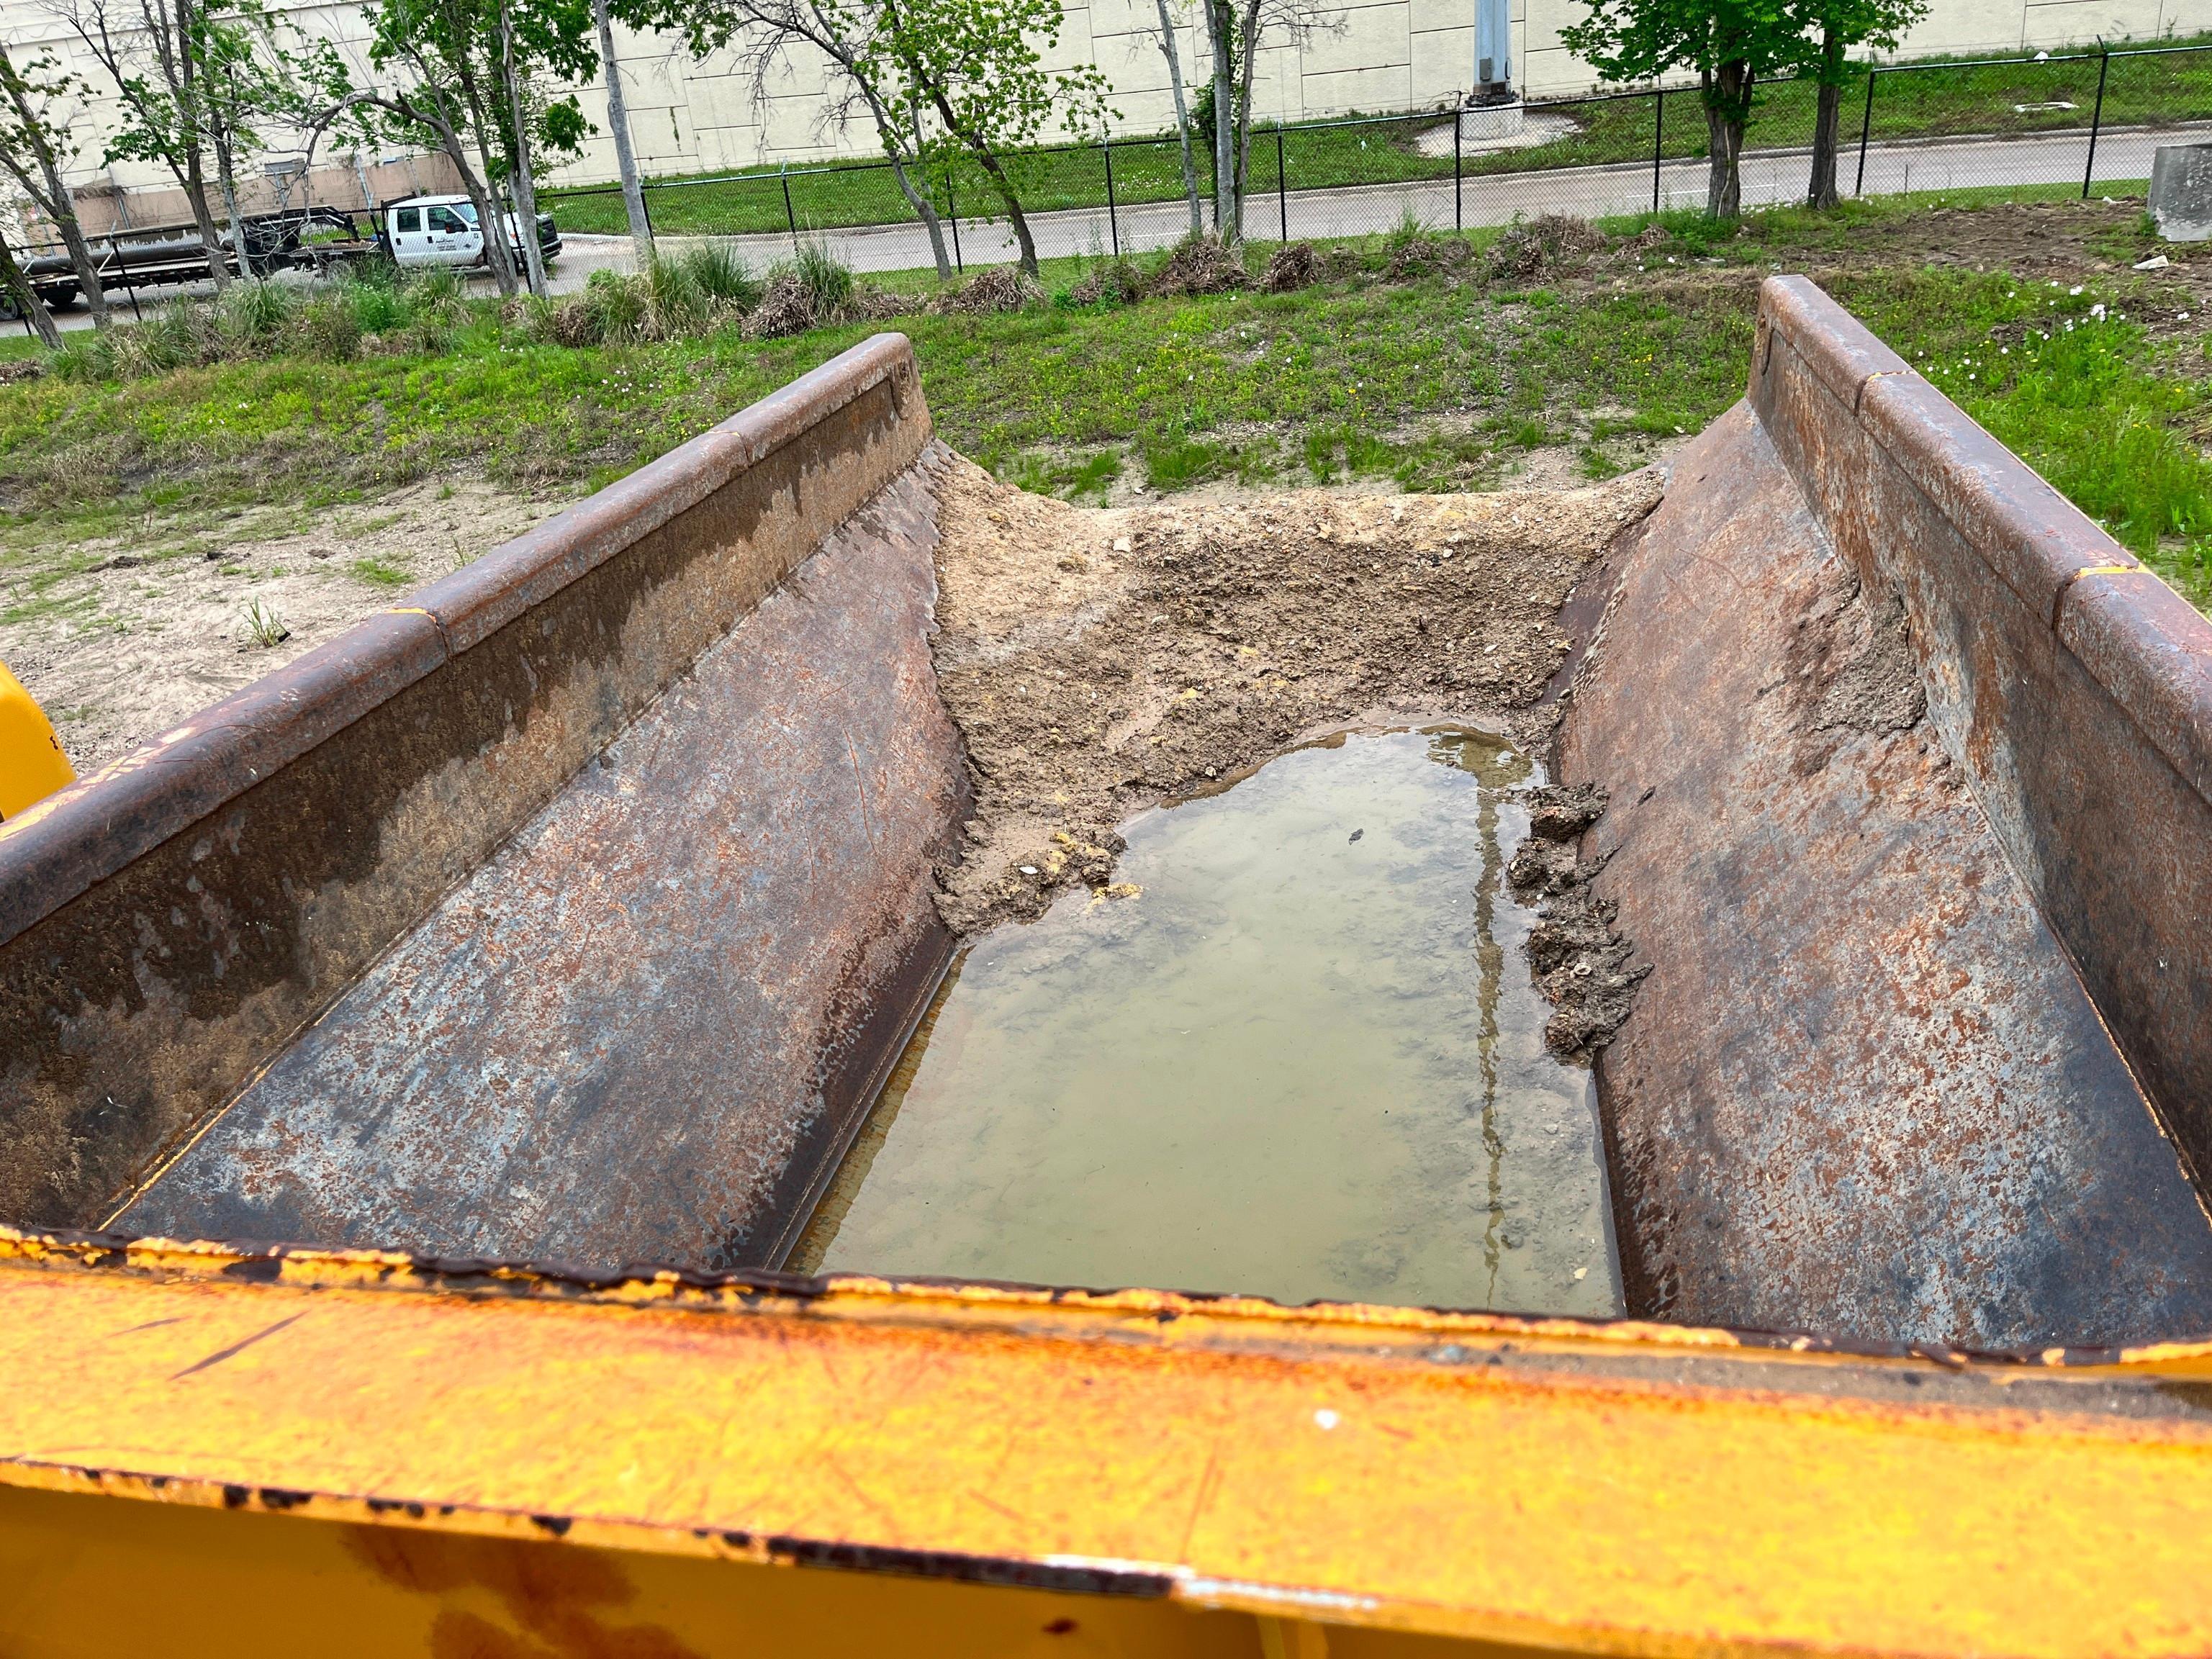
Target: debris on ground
{"type": "Point", "coordinates": [786, 308]}
{"type": "Point", "coordinates": [1098, 661]}
{"type": "Point", "coordinates": [1294, 265]}
{"type": "Point", "coordinates": [1118, 280]}
{"type": "Point", "coordinates": [1550, 243]}
{"type": "Point", "coordinates": [1201, 265]}
{"type": "Point", "coordinates": [1000, 289]}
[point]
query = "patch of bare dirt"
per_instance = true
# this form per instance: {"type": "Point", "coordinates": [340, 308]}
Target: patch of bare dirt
{"type": "Point", "coordinates": [160, 638]}
{"type": "Point", "coordinates": [1098, 661]}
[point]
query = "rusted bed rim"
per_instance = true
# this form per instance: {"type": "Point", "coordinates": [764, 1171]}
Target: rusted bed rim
{"type": "Point", "coordinates": [58, 849]}
{"type": "Point", "coordinates": [1672, 1491]}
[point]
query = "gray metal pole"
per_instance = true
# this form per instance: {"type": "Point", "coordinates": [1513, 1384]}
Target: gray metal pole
{"type": "Point", "coordinates": [1458, 214]}
{"type": "Point", "coordinates": [1866, 127]}
{"type": "Point", "coordinates": [1282, 189]}
{"type": "Point", "coordinates": [1658, 141]}
{"type": "Point", "coordinates": [2096, 120]}
{"type": "Point", "coordinates": [1112, 228]}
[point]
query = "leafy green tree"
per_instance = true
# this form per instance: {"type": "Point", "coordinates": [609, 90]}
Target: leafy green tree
{"type": "Point", "coordinates": [1733, 45]}
{"type": "Point", "coordinates": [38, 98]}
{"type": "Point", "coordinates": [977, 67]}
{"type": "Point", "coordinates": [191, 80]}
{"type": "Point", "coordinates": [440, 68]}
{"type": "Point", "coordinates": [1837, 26]}
{"type": "Point", "coordinates": [850, 34]}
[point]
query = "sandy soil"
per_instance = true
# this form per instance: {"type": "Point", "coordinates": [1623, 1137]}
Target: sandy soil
{"type": "Point", "coordinates": [173, 634]}
{"type": "Point", "coordinates": [1099, 660]}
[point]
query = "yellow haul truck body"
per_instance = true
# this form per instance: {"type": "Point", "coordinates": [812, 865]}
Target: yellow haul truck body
{"type": "Point", "coordinates": [610, 859]}
{"type": "Point", "coordinates": [33, 764]}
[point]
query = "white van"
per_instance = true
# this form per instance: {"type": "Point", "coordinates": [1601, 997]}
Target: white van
{"type": "Point", "coordinates": [442, 230]}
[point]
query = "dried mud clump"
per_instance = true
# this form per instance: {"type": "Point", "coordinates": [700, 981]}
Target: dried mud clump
{"type": "Point", "coordinates": [1098, 661]}
{"type": "Point", "coordinates": [1201, 265]}
{"type": "Point", "coordinates": [1551, 242]}
{"type": "Point", "coordinates": [1293, 266]}
{"type": "Point", "coordinates": [786, 308]}
{"type": "Point", "coordinates": [1000, 289]}
{"type": "Point", "coordinates": [1576, 958]}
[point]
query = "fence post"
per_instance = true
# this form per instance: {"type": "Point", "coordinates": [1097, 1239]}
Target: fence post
{"type": "Point", "coordinates": [2096, 120]}
{"type": "Point", "coordinates": [130, 288]}
{"type": "Point", "coordinates": [1113, 229]}
{"type": "Point", "coordinates": [1459, 126]}
{"type": "Point", "coordinates": [1282, 190]}
{"type": "Point", "coordinates": [789, 217]}
{"type": "Point", "coordinates": [1658, 141]}
{"type": "Point", "coordinates": [952, 214]}
{"type": "Point", "coordinates": [1866, 127]}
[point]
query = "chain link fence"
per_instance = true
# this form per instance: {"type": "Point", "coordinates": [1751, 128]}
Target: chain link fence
{"type": "Point", "coordinates": [2036, 127]}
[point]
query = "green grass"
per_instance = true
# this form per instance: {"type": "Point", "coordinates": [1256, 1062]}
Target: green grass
{"type": "Point", "coordinates": [1436, 383]}
{"type": "Point", "coordinates": [381, 573]}
{"type": "Point", "coordinates": [1936, 98]}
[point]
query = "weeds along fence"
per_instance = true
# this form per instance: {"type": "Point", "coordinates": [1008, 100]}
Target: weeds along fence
{"type": "Point", "coordinates": [2050, 126]}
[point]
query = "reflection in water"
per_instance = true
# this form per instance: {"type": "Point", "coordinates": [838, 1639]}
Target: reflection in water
{"type": "Point", "coordinates": [1305, 1062]}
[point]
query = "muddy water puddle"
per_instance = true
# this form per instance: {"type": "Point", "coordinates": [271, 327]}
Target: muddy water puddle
{"type": "Point", "coordinates": [1304, 1061]}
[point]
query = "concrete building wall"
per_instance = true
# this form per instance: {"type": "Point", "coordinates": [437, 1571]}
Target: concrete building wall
{"type": "Point", "coordinates": [1367, 55]}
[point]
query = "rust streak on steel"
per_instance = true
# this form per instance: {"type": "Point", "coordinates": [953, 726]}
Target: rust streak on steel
{"type": "Point", "coordinates": [1863, 1090]}
{"type": "Point", "coordinates": [169, 927]}
{"type": "Point", "coordinates": [641, 1027]}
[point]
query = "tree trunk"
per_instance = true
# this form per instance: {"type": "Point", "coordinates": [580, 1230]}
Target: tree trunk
{"type": "Point", "coordinates": [525, 187]}
{"type": "Point", "coordinates": [1827, 123]}
{"type": "Point", "coordinates": [1004, 185]}
{"type": "Point", "coordinates": [1250, 37]}
{"type": "Point", "coordinates": [497, 254]}
{"type": "Point", "coordinates": [1183, 119]}
{"type": "Point", "coordinates": [887, 130]}
{"type": "Point", "coordinates": [1221, 27]}
{"type": "Point", "coordinates": [641, 227]}
{"type": "Point", "coordinates": [226, 184]}
{"type": "Point", "coordinates": [1728, 105]}
{"type": "Point", "coordinates": [27, 299]}
{"type": "Point", "coordinates": [50, 192]}
{"type": "Point", "coordinates": [87, 268]}
{"type": "Point", "coordinates": [195, 183]}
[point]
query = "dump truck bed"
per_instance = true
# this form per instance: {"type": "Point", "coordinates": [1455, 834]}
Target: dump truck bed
{"type": "Point", "coordinates": [644, 1027]}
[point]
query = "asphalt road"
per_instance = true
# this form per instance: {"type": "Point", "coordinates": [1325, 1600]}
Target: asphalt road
{"type": "Point", "coordinates": [1770, 177]}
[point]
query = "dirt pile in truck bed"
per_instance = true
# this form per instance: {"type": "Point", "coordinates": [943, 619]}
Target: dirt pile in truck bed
{"type": "Point", "coordinates": [1099, 661]}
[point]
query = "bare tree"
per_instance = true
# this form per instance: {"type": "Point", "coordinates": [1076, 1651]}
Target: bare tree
{"type": "Point", "coordinates": [641, 225]}
{"type": "Point", "coordinates": [1237, 38]}
{"type": "Point", "coordinates": [153, 51]}
{"type": "Point", "coordinates": [517, 120]}
{"type": "Point", "coordinates": [35, 145]}
{"type": "Point", "coordinates": [1174, 55]}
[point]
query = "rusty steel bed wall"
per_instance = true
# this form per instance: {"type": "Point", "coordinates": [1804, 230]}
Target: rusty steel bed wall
{"type": "Point", "coordinates": [2073, 686]}
{"type": "Point", "coordinates": [168, 924]}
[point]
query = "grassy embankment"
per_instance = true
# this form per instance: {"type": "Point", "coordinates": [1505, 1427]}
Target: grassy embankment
{"type": "Point", "coordinates": [1938, 98]}
{"type": "Point", "coordinates": [1436, 378]}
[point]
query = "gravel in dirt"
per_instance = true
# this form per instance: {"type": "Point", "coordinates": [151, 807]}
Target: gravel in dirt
{"type": "Point", "coordinates": [1099, 660]}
